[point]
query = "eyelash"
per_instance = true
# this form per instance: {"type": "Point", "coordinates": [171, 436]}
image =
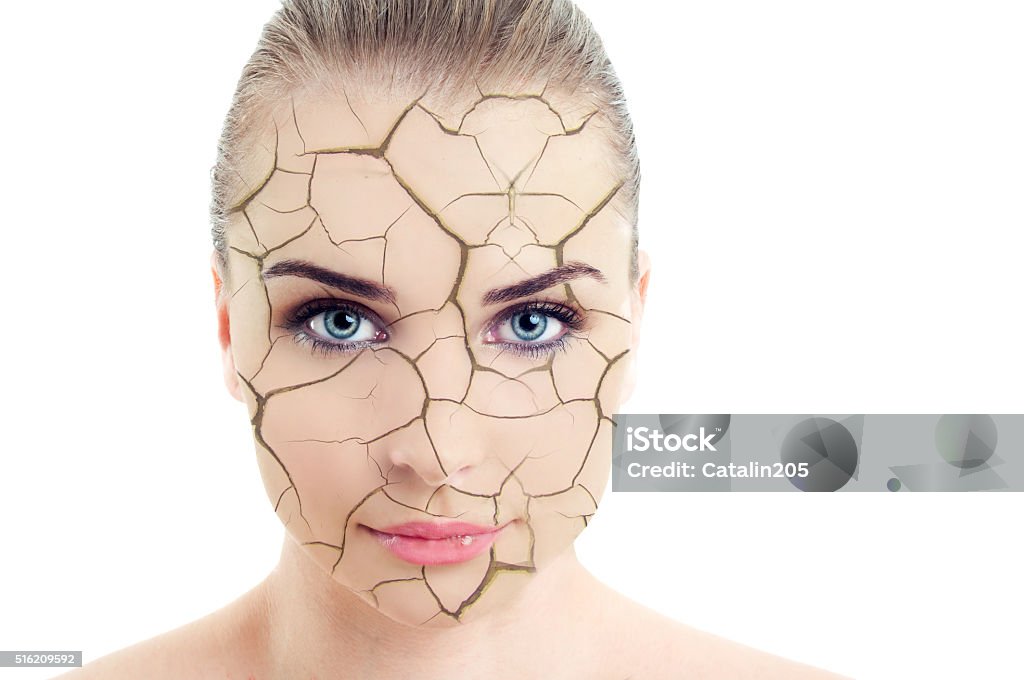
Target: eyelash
{"type": "Point", "coordinates": [296, 321]}
{"type": "Point", "coordinates": [570, 317]}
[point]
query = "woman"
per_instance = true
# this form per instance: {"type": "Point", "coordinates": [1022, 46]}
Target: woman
{"type": "Point", "coordinates": [429, 294]}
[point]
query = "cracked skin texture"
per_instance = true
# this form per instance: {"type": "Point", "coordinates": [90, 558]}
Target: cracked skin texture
{"type": "Point", "coordinates": [441, 411]}
{"type": "Point", "coordinates": [446, 220]}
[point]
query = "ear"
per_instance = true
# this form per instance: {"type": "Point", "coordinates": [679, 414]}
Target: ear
{"type": "Point", "coordinates": [638, 304]}
{"type": "Point", "coordinates": [221, 299]}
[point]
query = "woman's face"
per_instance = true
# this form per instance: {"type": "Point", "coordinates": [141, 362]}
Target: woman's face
{"type": "Point", "coordinates": [430, 315]}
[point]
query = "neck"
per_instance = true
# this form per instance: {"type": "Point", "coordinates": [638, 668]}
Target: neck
{"type": "Point", "coordinates": [318, 627]}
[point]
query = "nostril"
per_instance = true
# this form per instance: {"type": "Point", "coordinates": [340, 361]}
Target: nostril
{"type": "Point", "coordinates": [455, 477]}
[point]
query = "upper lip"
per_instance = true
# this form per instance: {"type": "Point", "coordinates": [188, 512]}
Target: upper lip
{"type": "Point", "coordinates": [439, 529]}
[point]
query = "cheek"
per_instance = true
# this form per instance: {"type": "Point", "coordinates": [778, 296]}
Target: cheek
{"type": "Point", "coordinates": [324, 430]}
{"type": "Point", "coordinates": [582, 461]}
{"type": "Point", "coordinates": [565, 473]}
{"type": "Point", "coordinates": [569, 482]}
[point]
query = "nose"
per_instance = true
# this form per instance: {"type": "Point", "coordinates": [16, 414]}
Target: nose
{"type": "Point", "coordinates": [432, 449]}
{"type": "Point", "coordinates": [440, 446]}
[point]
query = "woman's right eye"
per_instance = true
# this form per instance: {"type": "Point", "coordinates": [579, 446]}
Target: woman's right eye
{"type": "Point", "coordinates": [342, 325]}
{"type": "Point", "coordinates": [329, 326]}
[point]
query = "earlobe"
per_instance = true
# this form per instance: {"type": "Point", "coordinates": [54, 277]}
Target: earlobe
{"type": "Point", "coordinates": [231, 380]}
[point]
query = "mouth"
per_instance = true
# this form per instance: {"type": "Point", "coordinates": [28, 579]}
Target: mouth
{"type": "Point", "coordinates": [430, 543]}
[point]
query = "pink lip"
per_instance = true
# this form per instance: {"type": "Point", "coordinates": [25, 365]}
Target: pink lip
{"type": "Point", "coordinates": [430, 543]}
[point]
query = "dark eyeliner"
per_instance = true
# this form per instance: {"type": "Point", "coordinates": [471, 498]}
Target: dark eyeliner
{"type": "Point", "coordinates": [296, 320]}
{"type": "Point", "coordinates": [564, 313]}
{"type": "Point", "coordinates": [572, 319]}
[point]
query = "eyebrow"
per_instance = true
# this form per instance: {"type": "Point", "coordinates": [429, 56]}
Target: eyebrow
{"type": "Point", "coordinates": [561, 274]}
{"type": "Point", "coordinates": [364, 288]}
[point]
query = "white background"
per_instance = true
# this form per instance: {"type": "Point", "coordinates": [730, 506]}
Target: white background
{"type": "Point", "coordinates": [832, 198]}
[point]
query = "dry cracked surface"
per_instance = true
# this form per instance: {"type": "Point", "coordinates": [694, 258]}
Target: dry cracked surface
{"type": "Point", "coordinates": [430, 317]}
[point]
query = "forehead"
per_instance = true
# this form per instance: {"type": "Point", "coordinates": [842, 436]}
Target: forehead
{"type": "Point", "coordinates": [504, 185]}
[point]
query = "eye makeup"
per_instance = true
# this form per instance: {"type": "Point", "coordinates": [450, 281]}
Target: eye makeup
{"type": "Point", "coordinates": [533, 319]}
{"type": "Point", "coordinates": [532, 329]}
{"type": "Point", "coordinates": [330, 325]}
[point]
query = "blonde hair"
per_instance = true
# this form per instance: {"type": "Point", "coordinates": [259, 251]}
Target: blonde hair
{"type": "Point", "coordinates": [440, 44]}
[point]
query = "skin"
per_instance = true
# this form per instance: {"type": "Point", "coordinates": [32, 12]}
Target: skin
{"type": "Point", "coordinates": [459, 226]}
{"type": "Point", "coordinates": [446, 418]}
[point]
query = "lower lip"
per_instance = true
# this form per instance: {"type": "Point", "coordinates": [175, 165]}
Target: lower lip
{"type": "Point", "coordinates": [430, 551]}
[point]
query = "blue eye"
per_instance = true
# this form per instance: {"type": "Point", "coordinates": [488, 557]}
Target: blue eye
{"type": "Point", "coordinates": [531, 329]}
{"type": "Point", "coordinates": [342, 324]}
{"type": "Point", "coordinates": [534, 329]}
{"type": "Point", "coordinates": [531, 326]}
{"type": "Point", "coordinates": [335, 326]}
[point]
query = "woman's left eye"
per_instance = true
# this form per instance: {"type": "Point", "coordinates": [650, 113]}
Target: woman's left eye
{"type": "Point", "coordinates": [529, 326]}
{"type": "Point", "coordinates": [534, 329]}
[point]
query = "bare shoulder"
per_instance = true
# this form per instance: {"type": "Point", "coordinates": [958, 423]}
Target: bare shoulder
{"type": "Point", "coordinates": [658, 647]}
{"type": "Point", "coordinates": [223, 645]}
